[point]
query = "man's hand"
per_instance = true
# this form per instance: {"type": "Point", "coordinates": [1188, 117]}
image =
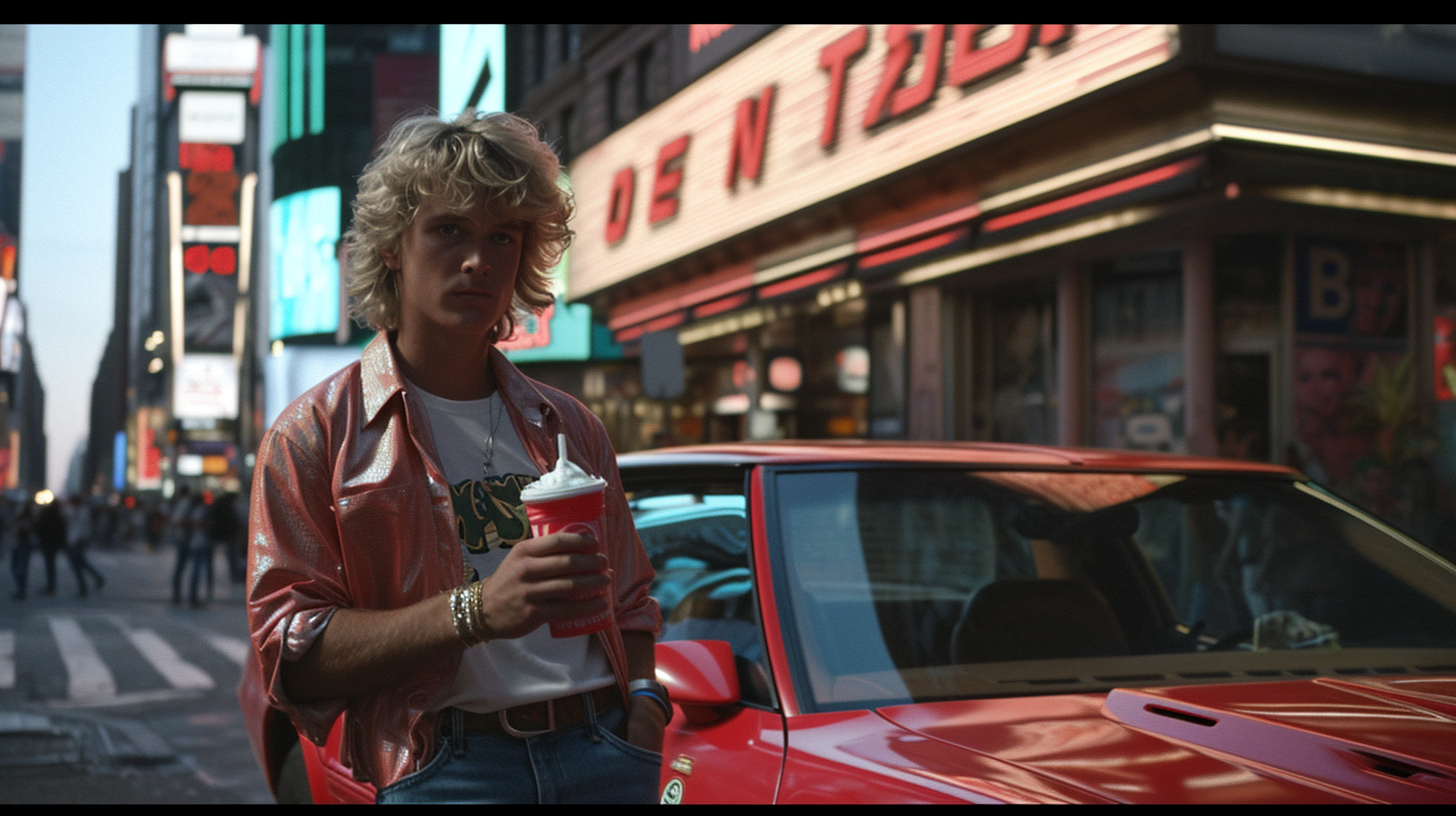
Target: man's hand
{"type": "Point", "coordinates": [645, 718]}
{"type": "Point", "coordinates": [557, 577]}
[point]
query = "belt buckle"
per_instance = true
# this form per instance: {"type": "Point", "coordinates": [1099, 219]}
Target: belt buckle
{"type": "Point", "coordinates": [513, 731]}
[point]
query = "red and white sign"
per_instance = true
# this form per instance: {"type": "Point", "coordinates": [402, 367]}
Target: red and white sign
{"type": "Point", "coordinates": [812, 112]}
{"type": "Point", "coordinates": [206, 387]}
{"type": "Point", "coordinates": [147, 456]}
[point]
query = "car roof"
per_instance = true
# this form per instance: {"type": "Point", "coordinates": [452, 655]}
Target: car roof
{"type": "Point", "coordinates": [791, 452]}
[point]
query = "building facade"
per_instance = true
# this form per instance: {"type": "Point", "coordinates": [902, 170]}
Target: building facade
{"type": "Point", "coordinates": [333, 93]}
{"type": "Point", "coordinates": [1229, 240]}
{"type": "Point", "coordinates": [22, 398]}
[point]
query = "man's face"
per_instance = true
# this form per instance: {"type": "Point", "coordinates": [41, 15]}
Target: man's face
{"type": "Point", "coordinates": [457, 270]}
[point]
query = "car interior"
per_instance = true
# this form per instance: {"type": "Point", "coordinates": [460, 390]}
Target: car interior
{"type": "Point", "coordinates": [925, 583]}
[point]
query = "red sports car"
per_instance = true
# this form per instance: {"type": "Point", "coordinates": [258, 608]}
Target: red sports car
{"type": "Point", "coordinates": [868, 622]}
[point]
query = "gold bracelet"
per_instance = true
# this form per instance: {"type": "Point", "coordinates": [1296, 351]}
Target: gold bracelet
{"type": "Point", "coordinates": [474, 609]}
{"type": "Point", "coordinates": [461, 614]}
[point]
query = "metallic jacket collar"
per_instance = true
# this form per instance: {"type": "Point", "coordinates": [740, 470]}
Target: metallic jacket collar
{"type": "Point", "coordinates": [381, 380]}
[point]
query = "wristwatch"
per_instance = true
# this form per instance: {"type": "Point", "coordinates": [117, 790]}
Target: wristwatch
{"type": "Point", "coordinates": [646, 687]}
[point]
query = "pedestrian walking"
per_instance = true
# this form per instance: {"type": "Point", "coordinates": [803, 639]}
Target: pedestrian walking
{"type": "Point", "coordinates": [22, 532]}
{"type": "Point", "coordinates": [50, 533]}
{"type": "Point", "coordinates": [210, 523]}
{"type": "Point", "coordinates": [177, 533]}
{"type": "Point", "coordinates": [79, 529]}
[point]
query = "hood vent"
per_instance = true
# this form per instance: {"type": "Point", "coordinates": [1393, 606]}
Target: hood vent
{"type": "Point", "coordinates": [1185, 716]}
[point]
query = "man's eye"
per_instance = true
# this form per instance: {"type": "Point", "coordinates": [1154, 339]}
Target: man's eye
{"type": "Point", "coordinates": [448, 229]}
{"type": "Point", "coordinates": [503, 238]}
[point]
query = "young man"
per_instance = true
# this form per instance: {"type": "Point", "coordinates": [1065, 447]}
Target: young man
{"type": "Point", "coordinates": [385, 491]}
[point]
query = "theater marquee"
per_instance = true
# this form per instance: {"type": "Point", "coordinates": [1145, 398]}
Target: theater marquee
{"type": "Point", "coordinates": [811, 112]}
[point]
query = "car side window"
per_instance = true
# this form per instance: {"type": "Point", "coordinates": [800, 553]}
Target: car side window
{"type": "Point", "coordinates": [879, 567]}
{"type": "Point", "coordinates": [697, 538]}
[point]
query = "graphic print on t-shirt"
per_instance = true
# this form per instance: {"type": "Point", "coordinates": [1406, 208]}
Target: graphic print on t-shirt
{"type": "Point", "coordinates": [489, 513]}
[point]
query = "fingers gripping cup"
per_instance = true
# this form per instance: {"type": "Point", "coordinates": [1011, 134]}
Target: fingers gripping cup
{"type": "Point", "coordinates": [568, 500]}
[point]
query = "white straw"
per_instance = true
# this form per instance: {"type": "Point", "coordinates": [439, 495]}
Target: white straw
{"type": "Point", "coordinates": [560, 450]}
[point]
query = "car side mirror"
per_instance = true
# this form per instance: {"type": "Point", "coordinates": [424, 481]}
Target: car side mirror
{"type": "Point", "coordinates": [700, 676]}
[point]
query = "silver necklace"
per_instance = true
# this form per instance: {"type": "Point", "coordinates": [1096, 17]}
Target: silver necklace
{"type": "Point", "coordinates": [495, 416]}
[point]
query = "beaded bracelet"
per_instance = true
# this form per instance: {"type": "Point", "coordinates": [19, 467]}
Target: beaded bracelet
{"type": "Point", "coordinates": [461, 627]}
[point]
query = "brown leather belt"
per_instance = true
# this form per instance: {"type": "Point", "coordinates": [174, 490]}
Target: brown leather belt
{"type": "Point", "coordinates": [533, 719]}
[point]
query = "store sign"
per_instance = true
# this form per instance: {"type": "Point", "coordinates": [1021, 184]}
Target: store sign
{"type": "Point", "coordinates": [219, 58]}
{"type": "Point", "coordinates": [219, 117]}
{"type": "Point", "coordinates": [811, 112]}
{"type": "Point", "coordinates": [227, 52]}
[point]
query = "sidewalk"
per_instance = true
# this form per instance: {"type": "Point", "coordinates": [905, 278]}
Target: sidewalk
{"type": "Point", "coordinates": [79, 758]}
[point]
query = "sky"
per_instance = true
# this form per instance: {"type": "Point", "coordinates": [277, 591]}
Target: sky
{"type": "Point", "coordinates": [80, 84]}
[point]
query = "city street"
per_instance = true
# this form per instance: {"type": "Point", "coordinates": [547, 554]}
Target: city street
{"type": "Point", "coordinates": [1021, 412]}
{"type": "Point", "coordinates": [122, 696]}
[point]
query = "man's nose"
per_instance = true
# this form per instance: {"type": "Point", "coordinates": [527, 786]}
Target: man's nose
{"type": "Point", "coordinates": [477, 260]}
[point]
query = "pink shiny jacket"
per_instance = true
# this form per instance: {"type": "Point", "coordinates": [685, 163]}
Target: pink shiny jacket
{"type": "Point", "coordinates": [350, 509]}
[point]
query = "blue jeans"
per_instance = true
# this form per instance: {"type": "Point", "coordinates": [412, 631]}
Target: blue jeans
{"type": "Point", "coordinates": [584, 764]}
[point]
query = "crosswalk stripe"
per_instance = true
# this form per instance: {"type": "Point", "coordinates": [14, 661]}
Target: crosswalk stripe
{"type": "Point", "coordinates": [164, 659]}
{"type": "Point", "coordinates": [86, 674]}
{"type": "Point", "coordinates": [7, 658]}
{"type": "Point", "coordinates": [89, 680]}
{"type": "Point", "coordinates": [234, 649]}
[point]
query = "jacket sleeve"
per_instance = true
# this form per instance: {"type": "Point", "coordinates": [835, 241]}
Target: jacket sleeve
{"type": "Point", "coordinates": [295, 565]}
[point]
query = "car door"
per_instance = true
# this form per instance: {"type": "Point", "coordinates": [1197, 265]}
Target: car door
{"type": "Point", "coordinates": [727, 744]}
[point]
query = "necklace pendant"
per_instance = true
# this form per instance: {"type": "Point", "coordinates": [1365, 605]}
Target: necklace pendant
{"type": "Point", "coordinates": [495, 416]}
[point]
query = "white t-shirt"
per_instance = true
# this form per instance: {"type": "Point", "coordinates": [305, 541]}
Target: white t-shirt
{"type": "Point", "coordinates": [490, 518]}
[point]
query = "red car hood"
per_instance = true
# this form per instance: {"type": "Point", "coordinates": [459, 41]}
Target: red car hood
{"type": "Point", "coordinates": [1320, 740]}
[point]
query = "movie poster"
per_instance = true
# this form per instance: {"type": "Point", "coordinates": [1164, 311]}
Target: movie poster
{"type": "Point", "coordinates": [1355, 419]}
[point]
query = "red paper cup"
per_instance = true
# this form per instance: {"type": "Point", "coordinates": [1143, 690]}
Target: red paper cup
{"type": "Point", "coordinates": [580, 511]}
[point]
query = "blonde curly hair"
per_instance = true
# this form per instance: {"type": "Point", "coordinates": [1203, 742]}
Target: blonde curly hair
{"type": "Point", "coordinates": [497, 155]}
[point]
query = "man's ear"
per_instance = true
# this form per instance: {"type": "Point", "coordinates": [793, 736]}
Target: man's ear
{"type": "Point", "coordinates": [391, 259]}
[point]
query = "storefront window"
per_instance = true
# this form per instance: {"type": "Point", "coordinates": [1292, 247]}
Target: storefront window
{"type": "Point", "coordinates": [1137, 337]}
{"type": "Point", "coordinates": [721, 383]}
{"type": "Point", "coordinates": [834, 401]}
{"type": "Point", "coordinates": [804, 372]}
{"type": "Point", "coordinates": [887, 371]}
{"type": "Point", "coordinates": [1014, 376]}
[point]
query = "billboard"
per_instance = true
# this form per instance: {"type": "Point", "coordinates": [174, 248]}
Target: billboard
{"type": "Point", "coordinates": [146, 458]}
{"type": "Point", "coordinates": [209, 194]}
{"type": "Point", "coordinates": [205, 386]}
{"type": "Point", "coordinates": [472, 68]}
{"type": "Point", "coordinates": [303, 289]}
{"type": "Point", "coordinates": [212, 72]}
{"type": "Point", "coordinates": [12, 333]}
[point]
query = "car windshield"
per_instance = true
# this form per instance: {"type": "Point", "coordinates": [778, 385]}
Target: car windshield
{"type": "Point", "coordinates": [911, 585]}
